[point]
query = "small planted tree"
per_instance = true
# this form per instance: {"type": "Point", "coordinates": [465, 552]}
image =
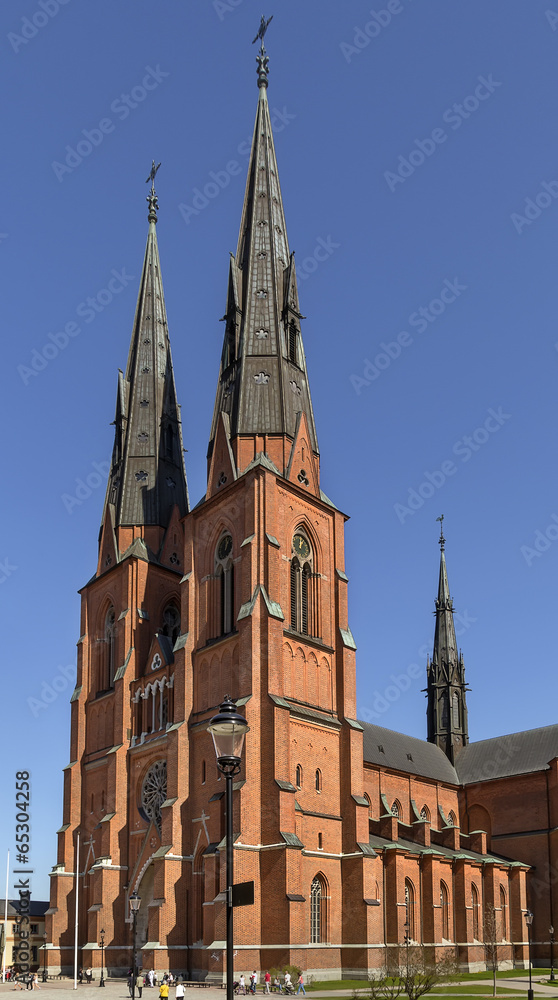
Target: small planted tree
{"type": "Point", "coordinates": [491, 942]}
{"type": "Point", "coordinates": [416, 973]}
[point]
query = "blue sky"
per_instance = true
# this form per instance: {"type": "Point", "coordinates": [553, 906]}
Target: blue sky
{"type": "Point", "coordinates": [419, 143]}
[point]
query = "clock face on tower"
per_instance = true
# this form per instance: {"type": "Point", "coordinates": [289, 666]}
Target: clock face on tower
{"type": "Point", "coordinates": [301, 546]}
{"type": "Point", "coordinates": [225, 546]}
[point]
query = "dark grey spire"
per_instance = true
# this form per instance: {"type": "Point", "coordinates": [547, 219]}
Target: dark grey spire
{"type": "Point", "coordinates": [263, 383]}
{"type": "Point", "coordinates": [147, 475]}
{"type": "Point", "coordinates": [446, 688]}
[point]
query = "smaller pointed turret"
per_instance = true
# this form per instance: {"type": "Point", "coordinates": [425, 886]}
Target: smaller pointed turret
{"type": "Point", "coordinates": [446, 688]}
{"type": "Point", "coordinates": [147, 478]}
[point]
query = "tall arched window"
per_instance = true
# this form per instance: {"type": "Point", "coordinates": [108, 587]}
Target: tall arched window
{"type": "Point", "coordinates": [503, 915]}
{"type": "Point", "coordinates": [410, 910]}
{"type": "Point", "coordinates": [455, 710]}
{"type": "Point", "coordinates": [318, 780]}
{"type": "Point", "coordinates": [224, 571]}
{"type": "Point", "coordinates": [293, 343]}
{"type": "Point", "coordinates": [367, 797]}
{"type": "Point", "coordinates": [301, 574]}
{"type": "Point", "coordinates": [476, 912]}
{"type": "Point", "coordinates": [452, 819]}
{"type": "Point", "coordinates": [425, 813]}
{"type": "Point", "coordinates": [108, 667]}
{"type": "Point", "coordinates": [396, 809]}
{"type": "Point", "coordinates": [317, 911]}
{"type": "Point", "coordinates": [444, 903]}
{"type": "Point", "coordinates": [298, 776]}
{"type": "Point", "coordinates": [171, 622]}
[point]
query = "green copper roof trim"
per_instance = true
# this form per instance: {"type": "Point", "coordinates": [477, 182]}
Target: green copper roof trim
{"type": "Point", "coordinates": [273, 608]}
{"type": "Point", "coordinates": [186, 577]}
{"type": "Point", "coordinates": [180, 642]}
{"type": "Point", "coordinates": [291, 839]}
{"type": "Point", "coordinates": [326, 499]}
{"type": "Point", "coordinates": [272, 539]}
{"type": "Point", "coordinates": [108, 817]}
{"type": "Point", "coordinates": [162, 851]}
{"type": "Point", "coordinates": [360, 800]}
{"type": "Point", "coordinates": [169, 802]}
{"type": "Point", "coordinates": [122, 670]}
{"type": "Point", "coordinates": [347, 637]}
{"type": "Point", "coordinates": [342, 576]}
{"type": "Point", "coordinates": [247, 541]}
{"type": "Point", "coordinates": [76, 694]}
{"type": "Point", "coordinates": [115, 748]}
{"type": "Point", "coordinates": [354, 724]}
{"type": "Point", "coordinates": [386, 805]}
{"type": "Point", "coordinates": [123, 614]}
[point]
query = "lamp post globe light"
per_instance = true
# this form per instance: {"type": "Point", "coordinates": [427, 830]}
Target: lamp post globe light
{"type": "Point", "coordinates": [529, 922]}
{"type": "Point", "coordinates": [135, 903]}
{"type": "Point", "coordinates": [45, 974]}
{"type": "Point", "coordinates": [551, 932]}
{"type": "Point", "coordinates": [102, 947]}
{"type": "Point", "coordinates": [228, 730]}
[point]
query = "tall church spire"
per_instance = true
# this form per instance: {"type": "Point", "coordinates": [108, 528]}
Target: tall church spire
{"type": "Point", "coordinates": [446, 688]}
{"type": "Point", "coordinates": [263, 398]}
{"type": "Point", "coordinates": [147, 478]}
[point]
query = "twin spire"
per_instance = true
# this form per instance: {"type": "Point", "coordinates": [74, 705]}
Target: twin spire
{"type": "Point", "coordinates": [147, 478]}
{"type": "Point", "coordinates": [263, 399]}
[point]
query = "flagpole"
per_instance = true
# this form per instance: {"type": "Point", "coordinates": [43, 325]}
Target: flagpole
{"type": "Point", "coordinates": [77, 912]}
{"type": "Point", "coordinates": [6, 920]}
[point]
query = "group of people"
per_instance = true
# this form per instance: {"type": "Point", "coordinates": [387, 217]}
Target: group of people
{"type": "Point", "coordinates": [149, 980]}
{"type": "Point", "coordinates": [286, 986]}
{"type": "Point", "coordinates": [30, 979]}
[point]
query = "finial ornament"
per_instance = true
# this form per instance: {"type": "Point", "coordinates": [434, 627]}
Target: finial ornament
{"type": "Point", "coordinates": [262, 58]}
{"type": "Point", "coordinates": [441, 539]}
{"type": "Point", "coordinates": [152, 197]}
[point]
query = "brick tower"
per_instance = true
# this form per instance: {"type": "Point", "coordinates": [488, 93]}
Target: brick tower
{"type": "Point", "coordinates": [245, 594]}
{"type": "Point", "coordinates": [446, 687]}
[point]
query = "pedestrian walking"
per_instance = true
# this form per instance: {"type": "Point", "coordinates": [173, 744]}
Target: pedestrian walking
{"type": "Point", "coordinates": [89, 975]}
{"type": "Point", "coordinates": [267, 981]}
{"type": "Point", "coordinates": [301, 985]}
{"type": "Point", "coordinates": [164, 990]}
{"type": "Point", "coordinates": [139, 984]}
{"type": "Point", "coordinates": [242, 985]}
{"type": "Point", "coordinates": [179, 991]}
{"type": "Point", "coordinates": [130, 983]}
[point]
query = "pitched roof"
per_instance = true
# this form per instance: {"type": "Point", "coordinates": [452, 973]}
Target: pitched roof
{"type": "Point", "coordinates": [406, 753]}
{"type": "Point", "coordinates": [502, 756]}
{"type": "Point", "coordinates": [380, 843]}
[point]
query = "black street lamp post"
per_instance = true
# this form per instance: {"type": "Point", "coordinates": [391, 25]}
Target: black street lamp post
{"type": "Point", "coordinates": [529, 920]}
{"type": "Point", "coordinates": [135, 902]}
{"type": "Point", "coordinates": [228, 730]}
{"type": "Point", "coordinates": [45, 974]}
{"type": "Point", "coordinates": [102, 947]}
{"type": "Point", "coordinates": [551, 932]}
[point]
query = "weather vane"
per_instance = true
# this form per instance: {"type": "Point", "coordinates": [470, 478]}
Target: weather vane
{"type": "Point", "coordinates": [441, 539]}
{"type": "Point", "coordinates": [264, 25]}
{"type": "Point", "coordinates": [152, 197]}
{"type": "Point", "coordinates": [262, 58]}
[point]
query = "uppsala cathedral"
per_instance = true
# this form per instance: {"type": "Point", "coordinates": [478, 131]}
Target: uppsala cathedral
{"type": "Point", "coordinates": [356, 837]}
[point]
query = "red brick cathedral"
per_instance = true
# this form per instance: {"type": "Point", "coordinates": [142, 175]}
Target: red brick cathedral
{"type": "Point", "coordinates": [351, 833]}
